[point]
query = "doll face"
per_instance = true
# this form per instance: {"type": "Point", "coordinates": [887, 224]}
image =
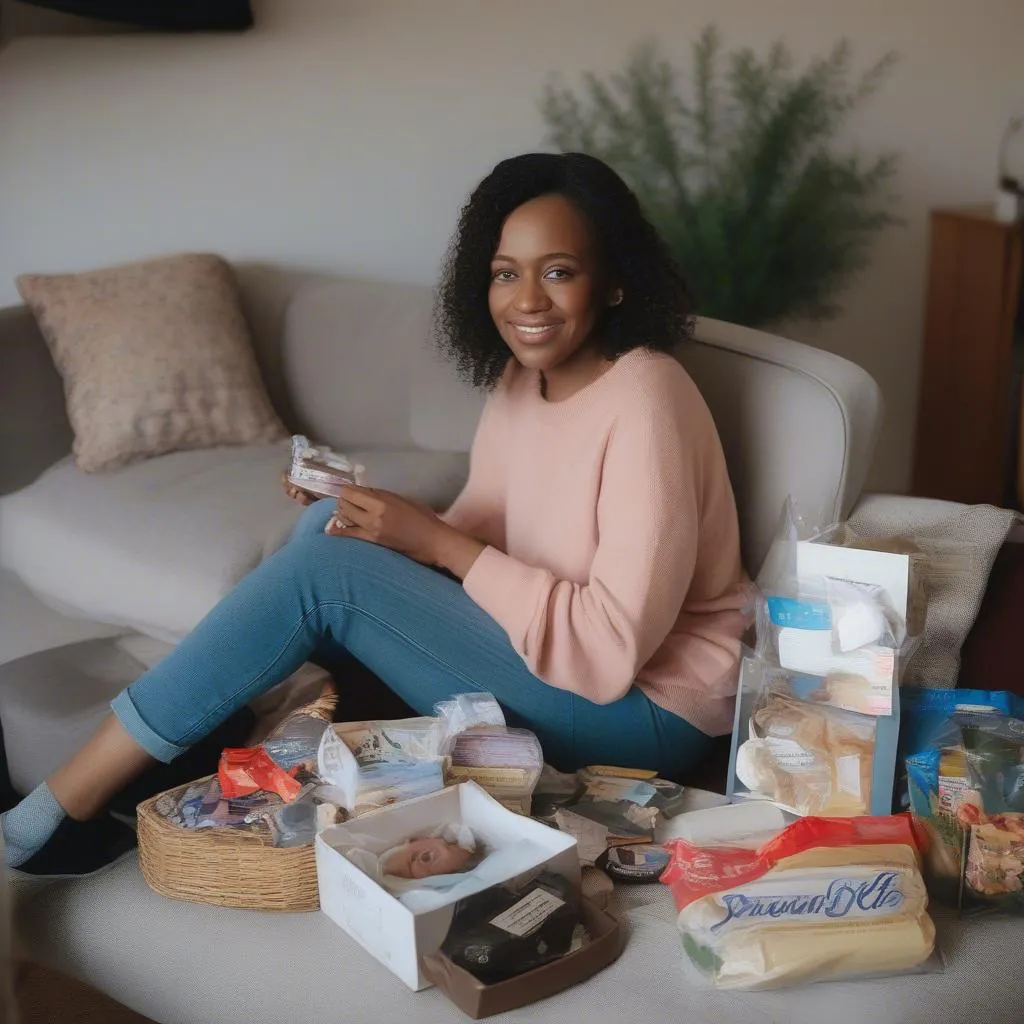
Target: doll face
{"type": "Point", "coordinates": [420, 858]}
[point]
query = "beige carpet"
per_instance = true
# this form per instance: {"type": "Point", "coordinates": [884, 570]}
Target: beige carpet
{"type": "Point", "coordinates": [45, 997]}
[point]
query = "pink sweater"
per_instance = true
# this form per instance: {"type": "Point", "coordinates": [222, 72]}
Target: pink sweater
{"type": "Point", "coordinates": [613, 553]}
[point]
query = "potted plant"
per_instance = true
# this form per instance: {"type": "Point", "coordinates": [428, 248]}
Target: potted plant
{"type": "Point", "coordinates": [742, 176]}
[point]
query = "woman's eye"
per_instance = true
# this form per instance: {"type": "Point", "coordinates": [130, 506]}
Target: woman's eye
{"type": "Point", "coordinates": [558, 274]}
{"type": "Point", "coordinates": [503, 275]}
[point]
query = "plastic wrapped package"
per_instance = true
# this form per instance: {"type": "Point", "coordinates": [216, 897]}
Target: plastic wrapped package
{"type": "Point", "coordinates": [402, 739]}
{"type": "Point", "coordinates": [505, 762]}
{"type": "Point", "coordinates": [245, 770]}
{"type": "Point", "coordinates": [296, 740]}
{"type": "Point", "coordinates": [215, 810]}
{"type": "Point", "coordinates": [937, 776]}
{"type": "Point", "coordinates": [320, 470]}
{"type": "Point", "coordinates": [847, 634]}
{"type": "Point", "coordinates": [480, 748]}
{"type": "Point", "coordinates": [826, 899]}
{"type": "Point", "coordinates": [793, 746]}
{"type": "Point", "coordinates": [361, 785]}
{"type": "Point", "coordinates": [993, 812]}
{"type": "Point", "coordinates": [467, 711]}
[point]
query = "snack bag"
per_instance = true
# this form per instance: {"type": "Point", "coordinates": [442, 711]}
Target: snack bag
{"type": "Point", "coordinates": [506, 762]}
{"type": "Point", "coordinates": [994, 813]}
{"type": "Point", "coordinates": [245, 770]}
{"type": "Point", "coordinates": [938, 779]}
{"type": "Point", "coordinates": [825, 899]}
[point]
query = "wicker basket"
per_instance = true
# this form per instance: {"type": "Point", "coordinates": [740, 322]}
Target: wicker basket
{"type": "Point", "coordinates": [227, 867]}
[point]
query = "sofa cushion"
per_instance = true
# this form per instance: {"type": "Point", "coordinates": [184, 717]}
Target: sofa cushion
{"type": "Point", "coordinates": [155, 357]}
{"type": "Point", "coordinates": [110, 929]}
{"type": "Point", "coordinates": [154, 545]}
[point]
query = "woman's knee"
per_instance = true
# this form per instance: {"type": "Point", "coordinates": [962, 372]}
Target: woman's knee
{"type": "Point", "coordinates": [314, 519]}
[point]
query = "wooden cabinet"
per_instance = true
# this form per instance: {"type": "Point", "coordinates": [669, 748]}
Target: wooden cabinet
{"type": "Point", "coordinates": [968, 420]}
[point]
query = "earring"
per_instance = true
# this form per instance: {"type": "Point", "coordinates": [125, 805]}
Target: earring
{"type": "Point", "coordinates": [616, 299]}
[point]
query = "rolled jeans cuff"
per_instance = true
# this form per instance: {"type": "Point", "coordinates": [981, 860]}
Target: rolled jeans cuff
{"type": "Point", "coordinates": [151, 742]}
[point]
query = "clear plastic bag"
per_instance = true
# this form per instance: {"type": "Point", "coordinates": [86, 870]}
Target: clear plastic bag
{"type": "Point", "coordinates": [794, 746]}
{"type": "Point", "coordinates": [993, 812]}
{"type": "Point", "coordinates": [806, 756]}
{"type": "Point", "coordinates": [938, 779]}
{"type": "Point", "coordinates": [482, 749]}
{"type": "Point", "coordinates": [846, 633]}
{"type": "Point", "coordinates": [361, 786]}
{"type": "Point", "coordinates": [505, 762]}
{"type": "Point", "coordinates": [467, 711]}
{"type": "Point", "coordinates": [826, 899]}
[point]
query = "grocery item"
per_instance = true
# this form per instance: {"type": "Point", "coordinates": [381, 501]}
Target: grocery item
{"type": "Point", "coordinates": [802, 752]}
{"type": "Point", "coordinates": [827, 898]}
{"type": "Point", "coordinates": [245, 770]}
{"type": "Point", "coordinates": [939, 783]}
{"type": "Point", "coordinates": [635, 865]}
{"type": "Point", "coordinates": [505, 762]}
{"type": "Point", "coordinates": [963, 770]}
{"type": "Point", "coordinates": [994, 868]}
{"type": "Point", "coordinates": [818, 758]}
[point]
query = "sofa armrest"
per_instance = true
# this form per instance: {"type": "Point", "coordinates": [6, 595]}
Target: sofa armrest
{"type": "Point", "coordinates": [34, 428]}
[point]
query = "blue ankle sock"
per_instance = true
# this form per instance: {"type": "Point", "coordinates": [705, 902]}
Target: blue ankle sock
{"type": "Point", "coordinates": [28, 825]}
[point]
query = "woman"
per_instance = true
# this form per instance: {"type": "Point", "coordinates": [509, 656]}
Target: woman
{"type": "Point", "coordinates": [596, 541]}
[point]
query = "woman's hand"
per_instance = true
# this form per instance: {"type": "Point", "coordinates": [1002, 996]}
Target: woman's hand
{"type": "Point", "coordinates": [408, 527]}
{"type": "Point", "coordinates": [297, 493]}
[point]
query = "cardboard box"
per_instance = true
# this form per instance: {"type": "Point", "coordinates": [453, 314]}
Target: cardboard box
{"type": "Point", "coordinates": [473, 997]}
{"type": "Point", "coordinates": [378, 921]}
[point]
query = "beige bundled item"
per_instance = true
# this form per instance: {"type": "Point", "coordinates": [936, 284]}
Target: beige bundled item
{"type": "Point", "coordinates": [813, 758]}
{"type": "Point", "coordinates": [825, 899]}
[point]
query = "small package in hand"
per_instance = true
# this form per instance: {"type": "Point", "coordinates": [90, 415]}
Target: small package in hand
{"type": "Point", "coordinates": [321, 470]}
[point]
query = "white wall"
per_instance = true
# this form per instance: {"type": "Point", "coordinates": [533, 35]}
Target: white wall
{"type": "Point", "coordinates": [344, 135]}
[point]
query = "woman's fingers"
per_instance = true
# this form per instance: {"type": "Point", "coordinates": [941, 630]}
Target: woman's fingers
{"type": "Point", "coordinates": [354, 515]}
{"type": "Point", "coordinates": [363, 497]}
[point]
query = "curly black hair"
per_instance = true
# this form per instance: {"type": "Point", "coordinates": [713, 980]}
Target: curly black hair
{"type": "Point", "coordinates": [656, 311]}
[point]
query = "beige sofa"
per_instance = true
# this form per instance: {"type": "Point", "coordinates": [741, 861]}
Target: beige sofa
{"type": "Point", "coordinates": [124, 563]}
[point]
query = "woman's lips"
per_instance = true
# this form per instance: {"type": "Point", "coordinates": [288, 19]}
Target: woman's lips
{"type": "Point", "coordinates": [534, 334]}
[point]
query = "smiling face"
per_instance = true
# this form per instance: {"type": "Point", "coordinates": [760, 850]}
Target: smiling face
{"type": "Point", "coordinates": [547, 288]}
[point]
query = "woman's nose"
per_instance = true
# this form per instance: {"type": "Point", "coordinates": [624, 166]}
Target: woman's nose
{"type": "Point", "coordinates": [531, 297]}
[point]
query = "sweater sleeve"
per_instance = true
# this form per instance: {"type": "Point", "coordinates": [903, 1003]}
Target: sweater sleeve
{"type": "Point", "coordinates": [592, 638]}
{"type": "Point", "coordinates": [479, 508]}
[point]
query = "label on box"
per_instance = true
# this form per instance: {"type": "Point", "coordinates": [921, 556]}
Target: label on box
{"type": "Point", "coordinates": [491, 778]}
{"type": "Point", "coordinates": [528, 914]}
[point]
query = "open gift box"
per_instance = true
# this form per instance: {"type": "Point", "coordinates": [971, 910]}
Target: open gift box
{"type": "Point", "coordinates": [382, 924]}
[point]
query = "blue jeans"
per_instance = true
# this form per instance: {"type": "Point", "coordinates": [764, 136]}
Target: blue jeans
{"type": "Point", "coordinates": [413, 627]}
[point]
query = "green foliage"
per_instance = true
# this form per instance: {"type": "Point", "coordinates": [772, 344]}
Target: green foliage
{"type": "Point", "coordinates": [764, 219]}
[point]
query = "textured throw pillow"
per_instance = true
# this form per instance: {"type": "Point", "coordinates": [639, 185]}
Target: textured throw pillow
{"type": "Point", "coordinates": [967, 538]}
{"type": "Point", "coordinates": [155, 356]}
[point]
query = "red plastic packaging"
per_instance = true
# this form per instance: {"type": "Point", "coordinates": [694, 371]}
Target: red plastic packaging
{"type": "Point", "coordinates": [697, 871]}
{"type": "Point", "coordinates": [244, 770]}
